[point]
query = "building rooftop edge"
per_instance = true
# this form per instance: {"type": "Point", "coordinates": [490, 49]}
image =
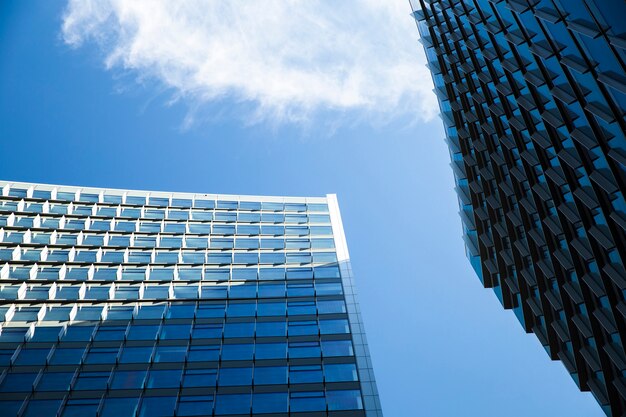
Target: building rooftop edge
{"type": "Point", "coordinates": [175, 194]}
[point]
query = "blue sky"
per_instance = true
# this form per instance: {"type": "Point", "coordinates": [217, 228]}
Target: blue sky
{"type": "Point", "coordinates": [72, 112]}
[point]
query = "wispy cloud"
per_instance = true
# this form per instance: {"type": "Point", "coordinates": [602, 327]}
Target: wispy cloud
{"type": "Point", "coordinates": [279, 60]}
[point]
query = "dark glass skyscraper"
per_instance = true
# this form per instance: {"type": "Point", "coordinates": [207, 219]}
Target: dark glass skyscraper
{"type": "Point", "coordinates": [533, 95]}
{"type": "Point", "coordinates": [117, 303]}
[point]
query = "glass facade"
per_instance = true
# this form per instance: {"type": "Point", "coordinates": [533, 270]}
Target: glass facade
{"type": "Point", "coordinates": [129, 303]}
{"type": "Point", "coordinates": [533, 95]}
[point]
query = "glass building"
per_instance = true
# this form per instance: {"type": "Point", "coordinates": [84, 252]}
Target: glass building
{"type": "Point", "coordinates": [117, 303]}
{"type": "Point", "coordinates": [532, 94]}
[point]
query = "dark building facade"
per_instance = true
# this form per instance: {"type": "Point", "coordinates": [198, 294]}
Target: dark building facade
{"type": "Point", "coordinates": [533, 95]}
{"type": "Point", "coordinates": [121, 303]}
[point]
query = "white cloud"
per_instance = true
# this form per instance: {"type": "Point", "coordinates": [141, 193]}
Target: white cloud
{"type": "Point", "coordinates": [284, 59]}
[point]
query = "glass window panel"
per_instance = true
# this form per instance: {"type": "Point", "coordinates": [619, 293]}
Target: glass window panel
{"type": "Point", "coordinates": [340, 372]}
{"type": "Point", "coordinates": [202, 353]}
{"type": "Point", "coordinates": [271, 329]}
{"type": "Point", "coordinates": [232, 404]}
{"type": "Point", "coordinates": [337, 348]}
{"type": "Point", "coordinates": [235, 376]}
{"type": "Point", "coordinates": [344, 400]}
{"type": "Point", "coordinates": [249, 205]}
{"type": "Point", "coordinates": [268, 309]}
{"type": "Point", "coordinates": [238, 352]}
{"type": "Point", "coordinates": [69, 356]}
{"type": "Point", "coordinates": [241, 309]}
{"type": "Point", "coordinates": [193, 257]}
{"type": "Point", "coordinates": [207, 331]}
{"type": "Point", "coordinates": [164, 378]}
{"type": "Point", "coordinates": [157, 406]}
{"type": "Point", "coordinates": [208, 204]}
{"type": "Point", "coordinates": [200, 378]}
{"type": "Point", "coordinates": [301, 328]}
{"type": "Point", "coordinates": [119, 407]}
{"type": "Point", "coordinates": [295, 308]}
{"type": "Point", "coordinates": [307, 401]}
{"type": "Point", "coordinates": [78, 334]}
{"type": "Point", "coordinates": [55, 381]}
{"type": "Point", "coordinates": [331, 306]}
{"type": "Point", "coordinates": [18, 382]}
{"type": "Point", "coordinates": [183, 311]}
{"type": "Point", "coordinates": [272, 243]}
{"type": "Point", "coordinates": [170, 354]}
{"type": "Point", "coordinates": [328, 288]}
{"type": "Point", "coordinates": [176, 331]}
{"type": "Point", "coordinates": [239, 330]}
{"type": "Point", "coordinates": [210, 310]}
{"type": "Point", "coordinates": [270, 375]}
{"type": "Point", "coordinates": [334, 326]}
{"type": "Point", "coordinates": [304, 349]}
{"type": "Point", "coordinates": [271, 351]}
{"type": "Point", "coordinates": [272, 274]}
{"type": "Point", "coordinates": [195, 406]}
{"type": "Point", "coordinates": [30, 356]}
{"type": "Point", "coordinates": [242, 290]}
{"type": "Point", "coordinates": [305, 374]}
{"type": "Point", "coordinates": [92, 380]}
{"type": "Point", "coordinates": [216, 274]}
{"type": "Point", "coordinates": [136, 354]}
{"type": "Point", "coordinates": [128, 379]}
{"type": "Point", "coordinates": [299, 273]}
{"type": "Point", "coordinates": [274, 258]}
{"type": "Point", "coordinates": [190, 274]}
{"type": "Point", "coordinates": [38, 408]}
{"type": "Point", "coordinates": [81, 407]}
{"type": "Point", "coordinates": [271, 290]}
{"type": "Point", "coordinates": [276, 402]}
{"type": "Point", "coordinates": [151, 311]}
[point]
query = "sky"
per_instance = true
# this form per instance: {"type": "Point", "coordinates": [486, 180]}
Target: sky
{"type": "Point", "coordinates": [284, 98]}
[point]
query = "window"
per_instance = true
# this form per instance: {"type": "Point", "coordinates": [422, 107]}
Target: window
{"type": "Point", "coordinates": [143, 332]}
{"type": "Point", "coordinates": [30, 356]}
{"type": "Point", "coordinates": [16, 382]}
{"type": "Point", "coordinates": [305, 374]}
{"type": "Point", "coordinates": [200, 378]}
{"type": "Point", "coordinates": [101, 355]}
{"type": "Point", "coordinates": [239, 329]}
{"type": "Point", "coordinates": [119, 407]}
{"type": "Point", "coordinates": [337, 348]}
{"type": "Point", "coordinates": [270, 375]}
{"type": "Point", "coordinates": [169, 378]}
{"type": "Point", "coordinates": [157, 406]}
{"type": "Point", "coordinates": [232, 404]}
{"type": "Point", "coordinates": [207, 331]}
{"type": "Point", "coordinates": [278, 308]}
{"type": "Point", "coordinates": [170, 353]}
{"type": "Point", "coordinates": [92, 380]}
{"type": "Point", "coordinates": [300, 328]}
{"type": "Point", "coordinates": [334, 326]}
{"type": "Point", "coordinates": [195, 406]}
{"type": "Point", "coordinates": [271, 351]}
{"type": "Point", "coordinates": [238, 352]}
{"type": "Point", "coordinates": [344, 400]}
{"type": "Point", "coordinates": [175, 331]}
{"type": "Point", "coordinates": [304, 349]}
{"type": "Point", "coordinates": [55, 381]}
{"type": "Point", "coordinates": [38, 408]}
{"type": "Point", "coordinates": [277, 402]}
{"type": "Point", "coordinates": [235, 376]}
{"type": "Point", "coordinates": [340, 372]}
{"type": "Point", "coordinates": [67, 356]}
{"type": "Point", "coordinates": [271, 328]}
{"type": "Point", "coordinates": [201, 353]}
{"type": "Point", "coordinates": [80, 407]}
{"type": "Point", "coordinates": [307, 401]}
{"type": "Point", "coordinates": [136, 354]}
{"type": "Point", "coordinates": [128, 379]}
{"type": "Point", "coordinates": [241, 309]}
